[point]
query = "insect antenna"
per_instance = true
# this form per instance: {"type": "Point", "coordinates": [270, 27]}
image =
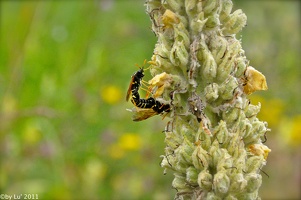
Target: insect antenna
{"type": "Point", "coordinates": [264, 173]}
{"type": "Point", "coordinates": [142, 67]}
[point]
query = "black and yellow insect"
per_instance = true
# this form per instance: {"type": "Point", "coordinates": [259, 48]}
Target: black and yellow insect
{"type": "Point", "coordinates": [144, 108]}
{"type": "Point", "coordinates": [135, 84]}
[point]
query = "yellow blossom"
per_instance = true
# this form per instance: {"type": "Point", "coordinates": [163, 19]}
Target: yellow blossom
{"type": "Point", "coordinates": [160, 81]}
{"type": "Point", "coordinates": [254, 81]}
{"type": "Point", "coordinates": [169, 18]}
{"type": "Point", "coordinates": [259, 149]}
{"type": "Point", "coordinates": [111, 94]}
{"type": "Point", "coordinates": [129, 141]}
{"type": "Point", "coordinates": [153, 61]}
{"type": "Point", "coordinates": [295, 131]}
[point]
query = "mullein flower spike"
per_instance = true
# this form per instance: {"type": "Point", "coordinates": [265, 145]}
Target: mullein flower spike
{"type": "Point", "coordinates": [214, 138]}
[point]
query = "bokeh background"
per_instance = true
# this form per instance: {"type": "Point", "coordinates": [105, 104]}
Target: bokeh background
{"type": "Point", "coordinates": [64, 70]}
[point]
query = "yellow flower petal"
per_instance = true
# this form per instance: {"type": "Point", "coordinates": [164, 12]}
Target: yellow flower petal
{"type": "Point", "coordinates": [160, 79]}
{"type": "Point", "coordinates": [170, 18]}
{"type": "Point", "coordinates": [159, 82]}
{"type": "Point", "coordinates": [259, 149]}
{"type": "Point", "coordinates": [255, 80]}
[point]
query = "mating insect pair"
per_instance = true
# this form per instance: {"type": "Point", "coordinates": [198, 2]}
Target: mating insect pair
{"type": "Point", "coordinates": [144, 108]}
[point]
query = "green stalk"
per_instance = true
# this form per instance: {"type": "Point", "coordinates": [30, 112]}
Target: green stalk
{"type": "Point", "coordinates": [214, 141]}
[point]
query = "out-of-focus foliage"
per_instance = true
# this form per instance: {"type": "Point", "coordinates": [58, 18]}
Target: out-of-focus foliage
{"type": "Point", "coordinates": [64, 71]}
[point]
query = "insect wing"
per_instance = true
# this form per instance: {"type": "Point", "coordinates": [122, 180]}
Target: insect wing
{"type": "Point", "coordinates": [140, 114]}
{"type": "Point", "coordinates": [129, 92]}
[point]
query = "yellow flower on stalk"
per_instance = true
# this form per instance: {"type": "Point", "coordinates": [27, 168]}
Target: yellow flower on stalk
{"type": "Point", "coordinates": [290, 130]}
{"type": "Point", "coordinates": [129, 141]}
{"type": "Point", "coordinates": [111, 94]}
{"type": "Point", "coordinates": [295, 135]}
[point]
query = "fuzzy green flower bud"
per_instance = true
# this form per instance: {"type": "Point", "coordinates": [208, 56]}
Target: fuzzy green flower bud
{"type": "Point", "coordinates": [208, 65]}
{"type": "Point", "coordinates": [179, 182]}
{"type": "Point", "coordinates": [184, 152]}
{"type": "Point", "coordinates": [231, 115]}
{"type": "Point", "coordinates": [235, 23]}
{"type": "Point", "coordinates": [175, 4]}
{"type": "Point", "coordinates": [198, 23]}
{"type": "Point", "coordinates": [240, 183]}
{"type": "Point", "coordinates": [213, 21]}
{"type": "Point", "coordinates": [240, 66]}
{"type": "Point", "coordinates": [254, 163]}
{"type": "Point", "coordinates": [221, 132]}
{"type": "Point", "coordinates": [181, 34]}
{"type": "Point", "coordinates": [227, 64]}
{"type": "Point", "coordinates": [218, 47]}
{"type": "Point", "coordinates": [230, 197]}
{"type": "Point", "coordinates": [254, 182]}
{"type": "Point", "coordinates": [209, 6]}
{"type": "Point", "coordinates": [226, 90]}
{"type": "Point", "coordinates": [213, 196]}
{"type": "Point", "coordinates": [192, 175]}
{"type": "Point", "coordinates": [252, 110]}
{"type": "Point", "coordinates": [211, 92]}
{"type": "Point", "coordinates": [205, 180]}
{"type": "Point", "coordinates": [221, 183]}
{"type": "Point", "coordinates": [226, 9]}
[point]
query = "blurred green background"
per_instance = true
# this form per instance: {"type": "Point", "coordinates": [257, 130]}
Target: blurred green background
{"type": "Point", "coordinates": [65, 68]}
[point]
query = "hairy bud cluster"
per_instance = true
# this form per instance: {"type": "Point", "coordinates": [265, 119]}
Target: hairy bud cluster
{"type": "Point", "coordinates": [214, 141]}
